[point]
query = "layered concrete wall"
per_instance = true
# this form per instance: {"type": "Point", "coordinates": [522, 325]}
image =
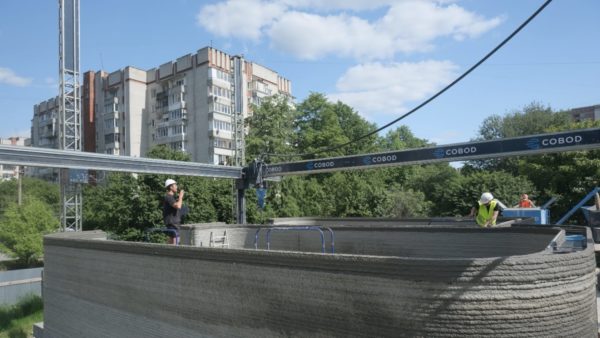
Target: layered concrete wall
{"type": "Point", "coordinates": [429, 242]}
{"type": "Point", "coordinates": [99, 288]}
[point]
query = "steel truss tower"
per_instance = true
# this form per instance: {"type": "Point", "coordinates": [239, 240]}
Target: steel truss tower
{"type": "Point", "coordinates": [69, 110]}
{"type": "Point", "coordinates": [239, 92]}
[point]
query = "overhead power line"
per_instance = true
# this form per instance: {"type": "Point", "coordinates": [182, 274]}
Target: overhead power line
{"type": "Point", "coordinates": [487, 56]}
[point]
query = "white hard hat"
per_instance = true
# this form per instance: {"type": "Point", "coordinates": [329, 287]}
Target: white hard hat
{"type": "Point", "coordinates": [169, 182]}
{"type": "Point", "coordinates": [486, 197]}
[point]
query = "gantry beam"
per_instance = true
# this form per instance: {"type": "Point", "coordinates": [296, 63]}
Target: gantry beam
{"type": "Point", "coordinates": [527, 145]}
{"type": "Point", "coordinates": [42, 157]}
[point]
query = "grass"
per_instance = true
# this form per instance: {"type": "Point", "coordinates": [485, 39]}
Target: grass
{"type": "Point", "coordinates": [17, 321]}
{"type": "Point", "coordinates": [15, 265]}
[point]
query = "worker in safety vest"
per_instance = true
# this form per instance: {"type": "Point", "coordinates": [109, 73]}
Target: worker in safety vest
{"type": "Point", "coordinates": [525, 202]}
{"type": "Point", "coordinates": [487, 210]}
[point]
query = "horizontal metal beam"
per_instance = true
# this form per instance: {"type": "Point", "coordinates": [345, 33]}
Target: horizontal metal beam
{"type": "Point", "coordinates": [583, 139]}
{"type": "Point", "coordinates": [52, 158]}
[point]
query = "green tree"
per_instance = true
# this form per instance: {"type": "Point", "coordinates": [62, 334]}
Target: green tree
{"type": "Point", "coordinates": [318, 127]}
{"type": "Point", "coordinates": [353, 126]}
{"type": "Point", "coordinates": [401, 138]}
{"type": "Point", "coordinates": [462, 192]}
{"type": "Point", "coordinates": [409, 203]}
{"type": "Point", "coordinates": [31, 187]}
{"type": "Point", "coordinates": [271, 129]}
{"type": "Point", "coordinates": [22, 228]}
{"type": "Point", "coordinates": [567, 175]}
{"type": "Point", "coordinates": [125, 205]}
{"type": "Point", "coordinates": [532, 119]}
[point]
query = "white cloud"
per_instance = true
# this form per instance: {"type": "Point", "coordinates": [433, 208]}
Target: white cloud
{"type": "Point", "coordinates": [239, 18]}
{"type": "Point", "coordinates": [415, 24]}
{"type": "Point", "coordinates": [376, 90]}
{"type": "Point", "coordinates": [310, 36]}
{"type": "Point", "coordinates": [355, 5]}
{"type": "Point", "coordinates": [296, 27]}
{"type": "Point", "coordinates": [7, 76]}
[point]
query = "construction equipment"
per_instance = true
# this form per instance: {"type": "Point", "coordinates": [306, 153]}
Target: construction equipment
{"type": "Point", "coordinates": [218, 241]}
{"type": "Point", "coordinates": [540, 215]}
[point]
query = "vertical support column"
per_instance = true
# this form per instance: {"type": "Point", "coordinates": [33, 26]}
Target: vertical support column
{"type": "Point", "coordinates": [239, 92]}
{"type": "Point", "coordinates": [241, 203]}
{"type": "Point", "coordinates": [69, 109]}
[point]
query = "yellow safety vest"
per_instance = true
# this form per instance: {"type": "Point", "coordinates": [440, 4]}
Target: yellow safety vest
{"type": "Point", "coordinates": [485, 213]}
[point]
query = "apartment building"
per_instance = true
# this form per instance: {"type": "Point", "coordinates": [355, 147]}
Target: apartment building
{"type": "Point", "coordinates": [190, 104]}
{"type": "Point", "coordinates": [44, 125]}
{"type": "Point", "coordinates": [8, 172]}
{"type": "Point", "coordinates": [586, 113]}
{"type": "Point", "coordinates": [119, 109]}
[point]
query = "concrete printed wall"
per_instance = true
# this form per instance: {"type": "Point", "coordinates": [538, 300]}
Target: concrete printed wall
{"type": "Point", "coordinates": [96, 288]}
{"type": "Point", "coordinates": [432, 242]}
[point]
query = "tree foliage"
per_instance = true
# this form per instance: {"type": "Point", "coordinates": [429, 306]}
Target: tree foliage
{"type": "Point", "coordinates": [125, 205]}
{"type": "Point", "coordinates": [22, 228]}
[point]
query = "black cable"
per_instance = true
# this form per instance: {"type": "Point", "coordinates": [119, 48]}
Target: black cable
{"type": "Point", "coordinates": [487, 56]}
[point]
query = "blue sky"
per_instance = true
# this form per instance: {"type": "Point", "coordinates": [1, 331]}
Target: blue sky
{"type": "Point", "coordinates": [382, 57]}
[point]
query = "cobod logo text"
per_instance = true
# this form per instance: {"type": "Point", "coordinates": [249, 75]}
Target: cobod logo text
{"type": "Point", "coordinates": [319, 165]}
{"type": "Point", "coordinates": [461, 151]}
{"type": "Point", "coordinates": [383, 158]}
{"type": "Point", "coordinates": [561, 140]}
{"type": "Point", "coordinates": [323, 164]}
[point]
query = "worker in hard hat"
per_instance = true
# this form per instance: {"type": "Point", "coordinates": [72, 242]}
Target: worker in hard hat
{"type": "Point", "coordinates": [486, 211]}
{"type": "Point", "coordinates": [171, 210]}
{"type": "Point", "coordinates": [525, 202]}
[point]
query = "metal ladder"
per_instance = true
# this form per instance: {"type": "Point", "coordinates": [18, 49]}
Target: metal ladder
{"type": "Point", "coordinates": [218, 241]}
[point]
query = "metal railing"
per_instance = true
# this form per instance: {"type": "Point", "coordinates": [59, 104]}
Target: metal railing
{"type": "Point", "coordinates": [298, 228]}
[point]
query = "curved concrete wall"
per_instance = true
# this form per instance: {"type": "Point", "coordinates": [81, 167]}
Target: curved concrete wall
{"type": "Point", "coordinates": [96, 288]}
{"type": "Point", "coordinates": [430, 242]}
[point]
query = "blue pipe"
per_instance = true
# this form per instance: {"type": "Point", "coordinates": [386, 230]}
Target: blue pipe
{"type": "Point", "coordinates": [579, 205]}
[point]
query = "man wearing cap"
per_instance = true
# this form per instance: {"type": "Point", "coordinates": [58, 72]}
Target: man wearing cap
{"type": "Point", "coordinates": [486, 211]}
{"type": "Point", "coordinates": [171, 207]}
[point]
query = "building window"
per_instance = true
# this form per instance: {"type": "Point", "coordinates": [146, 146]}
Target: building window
{"type": "Point", "coordinates": [111, 138]}
{"type": "Point", "coordinates": [221, 125]}
{"type": "Point", "coordinates": [221, 143]}
{"type": "Point", "coordinates": [178, 130]}
{"type": "Point", "coordinates": [179, 145]}
{"type": "Point", "coordinates": [111, 123]}
{"type": "Point", "coordinates": [176, 114]}
{"type": "Point", "coordinates": [221, 92]}
{"type": "Point", "coordinates": [221, 108]}
{"type": "Point", "coordinates": [162, 132]}
{"type": "Point", "coordinates": [219, 74]}
{"type": "Point", "coordinates": [223, 159]}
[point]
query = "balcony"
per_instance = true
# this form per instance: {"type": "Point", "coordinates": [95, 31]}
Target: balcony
{"type": "Point", "coordinates": [221, 116]}
{"type": "Point", "coordinates": [221, 99]}
{"type": "Point", "coordinates": [112, 130]}
{"type": "Point", "coordinates": [49, 133]}
{"type": "Point", "coordinates": [111, 100]}
{"type": "Point", "coordinates": [177, 105]}
{"type": "Point", "coordinates": [220, 133]}
{"type": "Point", "coordinates": [48, 121]}
{"type": "Point", "coordinates": [177, 89]}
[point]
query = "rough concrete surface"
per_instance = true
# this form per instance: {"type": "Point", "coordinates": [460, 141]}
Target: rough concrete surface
{"type": "Point", "coordinates": [98, 288]}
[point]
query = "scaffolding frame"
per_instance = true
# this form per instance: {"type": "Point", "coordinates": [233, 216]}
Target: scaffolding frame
{"type": "Point", "coordinates": [69, 110]}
